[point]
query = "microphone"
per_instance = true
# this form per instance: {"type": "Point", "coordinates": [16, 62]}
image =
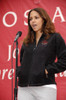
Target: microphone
{"type": "Point", "coordinates": [18, 35]}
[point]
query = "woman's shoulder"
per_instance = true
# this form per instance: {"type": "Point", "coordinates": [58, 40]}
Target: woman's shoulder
{"type": "Point", "coordinates": [25, 45]}
{"type": "Point", "coordinates": [56, 35]}
{"type": "Point", "coordinates": [59, 38]}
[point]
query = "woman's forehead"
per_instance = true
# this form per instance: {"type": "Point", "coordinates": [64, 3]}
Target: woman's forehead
{"type": "Point", "coordinates": [34, 13]}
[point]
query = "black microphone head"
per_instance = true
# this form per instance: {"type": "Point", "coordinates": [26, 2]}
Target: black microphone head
{"type": "Point", "coordinates": [19, 33]}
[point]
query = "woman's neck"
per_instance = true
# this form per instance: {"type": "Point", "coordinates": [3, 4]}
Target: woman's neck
{"type": "Point", "coordinates": [38, 35]}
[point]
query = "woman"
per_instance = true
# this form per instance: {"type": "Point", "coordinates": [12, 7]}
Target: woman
{"type": "Point", "coordinates": [39, 50]}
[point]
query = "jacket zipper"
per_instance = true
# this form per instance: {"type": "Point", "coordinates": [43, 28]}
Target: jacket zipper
{"type": "Point", "coordinates": [33, 52]}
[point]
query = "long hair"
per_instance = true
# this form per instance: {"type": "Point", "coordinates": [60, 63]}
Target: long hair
{"type": "Point", "coordinates": [47, 27]}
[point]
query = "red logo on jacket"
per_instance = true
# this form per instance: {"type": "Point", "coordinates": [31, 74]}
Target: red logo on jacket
{"type": "Point", "coordinates": [44, 42]}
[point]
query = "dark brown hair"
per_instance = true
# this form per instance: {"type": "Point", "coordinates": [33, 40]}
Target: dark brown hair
{"type": "Point", "coordinates": [47, 27]}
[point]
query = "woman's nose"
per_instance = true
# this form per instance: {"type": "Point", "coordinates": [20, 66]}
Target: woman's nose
{"type": "Point", "coordinates": [33, 20]}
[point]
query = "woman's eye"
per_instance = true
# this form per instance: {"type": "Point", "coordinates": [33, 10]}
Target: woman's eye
{"type": "Point", "coordinates": [33, 18]}
{"type": "Point", "coordinates": [30, 19]}
{"type": "Point", "coordinates": [36, 17]}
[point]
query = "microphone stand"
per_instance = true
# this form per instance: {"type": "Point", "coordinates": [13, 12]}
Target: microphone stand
{"type": "Point", "coordinates": [15, 89]}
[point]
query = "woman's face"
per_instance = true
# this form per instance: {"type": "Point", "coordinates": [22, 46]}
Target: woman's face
{"type": "Point", "coordinates": [36, 21]}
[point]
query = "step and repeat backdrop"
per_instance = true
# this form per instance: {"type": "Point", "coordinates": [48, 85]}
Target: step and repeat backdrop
{"type": "Point", "coordinates": [13, 18]}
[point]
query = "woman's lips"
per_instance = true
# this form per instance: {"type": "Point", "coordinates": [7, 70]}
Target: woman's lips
{"type": "Point", "coordinates": [34, 26]}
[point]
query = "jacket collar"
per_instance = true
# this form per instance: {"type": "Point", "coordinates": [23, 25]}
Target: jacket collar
{"type": "Point", "coordinates": [41, 38]}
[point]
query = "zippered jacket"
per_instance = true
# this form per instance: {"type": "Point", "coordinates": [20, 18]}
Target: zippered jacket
{"type": "Point", "coordinates": [35, 59]}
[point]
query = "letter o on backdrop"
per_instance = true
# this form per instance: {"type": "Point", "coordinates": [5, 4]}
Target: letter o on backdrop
{"type": "Point", "coordinates": [15, 19]}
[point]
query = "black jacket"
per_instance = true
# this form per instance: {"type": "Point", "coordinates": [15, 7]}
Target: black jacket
{"type": "Point", "coordinates": [35, 59]}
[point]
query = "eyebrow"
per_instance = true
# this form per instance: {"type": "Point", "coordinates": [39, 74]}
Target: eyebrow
{"type": "Point", "coordinates": [34, 16]}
